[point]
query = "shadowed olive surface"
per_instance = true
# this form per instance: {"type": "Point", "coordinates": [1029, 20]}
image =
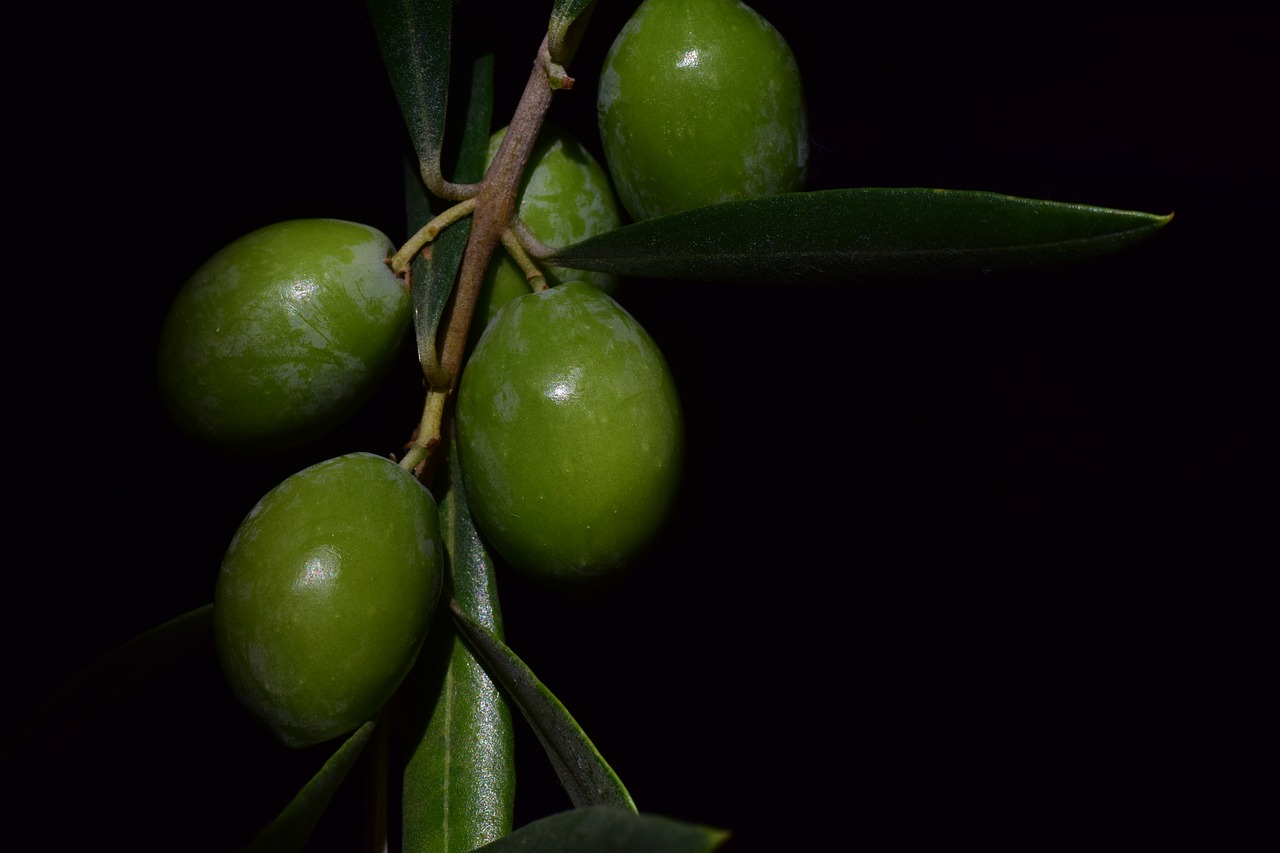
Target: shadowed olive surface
{"type": "Point", "coordinates": [325, 595]}
{"type": "Point", "coordinates": [570, 434]}
{"type": "Point", "coordinates": [565, 197]}
{"type": "Point", "coordinates": [700, 102]}
{"type": "Point", "coordinates": [282, 334]}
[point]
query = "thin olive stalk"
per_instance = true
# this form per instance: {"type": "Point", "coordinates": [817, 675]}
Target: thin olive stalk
{"type": "Point", "coordinates": [532, 274]}
{"type": "Point", "coordinates": [401, 260]}
{"type": "Point", "coordinates": [493, 209]}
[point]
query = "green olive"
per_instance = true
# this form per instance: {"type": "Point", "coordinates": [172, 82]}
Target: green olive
{"type": "Point", "coordinates": [700, 102]}
{"type": "Point", "coordinates": [325, 596]}
{"type": "Point", "coordinates": [565, 197]}
{"type": "Point", "coordinates": [570, 435]}
{"type": "Point", "coordinates": [282, 334]}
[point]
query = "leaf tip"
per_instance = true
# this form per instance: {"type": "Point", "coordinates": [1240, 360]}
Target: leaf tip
{"type": "Point", "coordinates": [716, 838]}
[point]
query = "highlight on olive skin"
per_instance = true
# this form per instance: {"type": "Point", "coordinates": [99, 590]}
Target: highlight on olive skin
{"type": "Point", "coordinates": [665, 149]}
{"type": "Point", "coordinates": [565, 197]}
{"type": "Point", "coordinates": [325, 596]}
{"type": "Point", "coordinates": [570, 435]}
{"type": "Point", "coordinates": [282, 334]}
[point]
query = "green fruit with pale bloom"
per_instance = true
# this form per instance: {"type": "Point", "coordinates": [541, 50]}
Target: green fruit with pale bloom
{"type": "Point", "coordinates": [282, 334]}
{"type": "Point", "coordinates": [570, 435]}
{"type": "Point", "coordinates": [565, 197]}
{"type": "Point", "coordinates": [700, 102]}
{"type": "Point", "coordinates": [325, 596]}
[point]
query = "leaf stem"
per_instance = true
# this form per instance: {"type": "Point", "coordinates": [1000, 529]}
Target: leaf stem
{"type": "Point", "coordinates": [434, 181]}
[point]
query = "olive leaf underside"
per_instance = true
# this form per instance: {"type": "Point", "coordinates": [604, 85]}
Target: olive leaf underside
{"type": "Point", "coordinates": [459, 773]}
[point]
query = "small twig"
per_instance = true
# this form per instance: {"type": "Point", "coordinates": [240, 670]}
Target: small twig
{"type": "Point", "coordinates": [495, 206]}
{"type": "Point", "coordinates": [400, 260]}
{"type": "Point", "coordinates": [492, 205]}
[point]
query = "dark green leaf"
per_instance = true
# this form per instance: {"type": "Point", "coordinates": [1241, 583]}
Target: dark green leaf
{"type": "Point", "coordinates": [477, 76]}
{"type": "Point", "coordinates": [585, 775]}
{"type": "Point", "coordinates": [433, 277]}
{"type": "Point", "coordinates": [608, 829]}
{"type": "Point", "coordinates": [839, 235]}
{"type": "Point", "coordinates": [568, 21]}
{"type": "Point", "coordinates": [414, 39]}
{"type": "Point", "coordinates": [290, 830]}
{"type": "Point", "coordinates": [110, 683]}
{"type": "Point", "coordinates": [459, 778]}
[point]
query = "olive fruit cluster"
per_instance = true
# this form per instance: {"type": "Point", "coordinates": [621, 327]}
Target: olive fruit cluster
{"type": "Point", "coordinates": [282, 334]}
{"type": "Point", "coordinates": [570, 435]}
{"type": "Point", "coordinates": [325, 596]}
{"type": "Point", "coordinates": [700, 102]}
{"type": "Point", "coordinates": [564, 197]}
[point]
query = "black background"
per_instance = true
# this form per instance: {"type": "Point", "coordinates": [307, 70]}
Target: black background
{"type": "Point", "coordinates": [954, 564]}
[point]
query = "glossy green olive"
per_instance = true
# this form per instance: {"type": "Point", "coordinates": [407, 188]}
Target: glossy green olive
{"type": "Point", "coordinates": [700, 102]}
{"type": "Point", "coordinates": [282, 334]}
{"type": "Point", "coordinates": [325, 596]}
{"type": "Point", "coordinates": [570, 435]}
{"type": "Point", "coordinates": [565, 196]}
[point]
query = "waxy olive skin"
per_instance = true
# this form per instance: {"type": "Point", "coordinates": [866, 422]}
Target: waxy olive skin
{"type": "Point", "coordinates": [570, 435]}
{"type": "Point", "coordinates": [325, 596]}
{"type": "Point", "coordinates": [700, 102]}
{"type": "Point", "coordinates": [282, 334]}
{"type": "Point", "coordinates": [565, 197]}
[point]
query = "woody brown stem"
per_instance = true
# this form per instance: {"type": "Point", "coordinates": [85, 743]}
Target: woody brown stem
{"type": "Point", "coordinates": [495, 206]}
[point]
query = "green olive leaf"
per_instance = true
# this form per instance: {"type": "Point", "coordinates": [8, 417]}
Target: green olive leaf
{"type": "Point", "coordinates": [414, 40]}
{"type": "Point", "coordinates": [432, 275]}
{"type": "Point", "coordinates": [608, 829]}
{"type": "Point", "coordinates": [568, 22]}
{"type": "Point", "coordinates": [861, 234]}
{"type": "Point", "coordinates": [108, 683]}
{"type": "Point", "coordinates": [433, 272]}
{"type": "Point", "coordinates": [458, 782]}
{"type": "Point", "coordinates": [586, 776]}
{"type": "Point", "coordinates": [291, 829]}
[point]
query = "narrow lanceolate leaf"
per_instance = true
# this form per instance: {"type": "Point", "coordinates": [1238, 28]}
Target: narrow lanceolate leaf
{"type": "Point", "coordinates": [290, 831]}
{"type": "Point", "coordinates": [109, 683]}
{"type": "Point", "coordinates": [608, 829]}
{"type": "Point", "coordinates": [475, 77]}
{"type": "Point", "coordinates": [432, 279]}
{"type": "Point", "coordinates": [459, 776]}
{"type": "Point", "coordinates": [433, 276]}
{"type": "Point", "coordinates": [568, 21]}
{"type": "Point", "coordinates": [414, 39]}
{"type": "Point", "coordinates": [586, 776]}
{"type": "Point", "coordinates": [861, 234]}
